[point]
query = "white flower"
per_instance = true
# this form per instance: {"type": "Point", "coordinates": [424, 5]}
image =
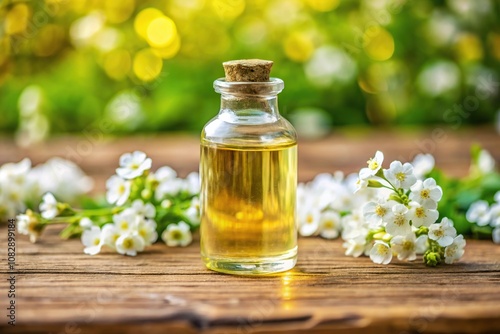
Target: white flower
{"type": "Point", "coordinates": [455, 250]}
{"type": "Point", "coordinates": [165, 173]}
{"type": "Point", "coordinates": [422, 164]}
{"type": "Point", "coordinates": [495, 215]}
{"type": "Point", "coordinates": [443, 232]}
{"type": "Point", "coordinates": [423, 214]}
{"type": "Point", "coordinates": [193, 212]}
{"type": "Point", "coordinates": [353, 226]}
{"type": "Point", "coordinates": [169, 188]}
{"type": "Point", "coordinates": [12, 199]}
{"type": "Point", "coordinates": [144, 209]}
{"type": "Point", "coordinates": [355, 247]}
{"type": "Point", "coordinates": [422, 244]}
{"type": "Point", "coordinates": [54, 176]}
{"type": "Point", "coordinates": [92, 240]}
{"type": "Point", "coordinates": [405, 247]}
{"type": "Point", "coordinates": [309, 222]}
{"type": "Point", "coordinates": [15, 188]}
{"type": "Point", "coordinates": [361, 184]}
{"type": "Point", "coordinates": [177, 235]}
{"type": "Point", "coordinates": [146, 228]}
{"type": "Point", "coordinates": [400, 176]}
{"type": "Point", "coordinates": [130, 244]}
{"type": "Point", "coordinates": [486, 162]}
{"type": "Point", "coordinates": [192, 183]}
{"type": "Point", "coordinates": [48, 207]}
{"type": "Point", "coordinates": [374, 165]}
{"type": "Point", "coordinates": [329, 224]}
{"type": "Point", "coordinates": [110, 235]}
{"type": "Point", "coordinates": [85, 223]}
{"type": "Point", "coordinates": [126, 221]}
{"type": "Point", "coordinates": [479, 212]}
{"type": "Point", "coordinates": [133, 165]}
{"type": "Point", "coordinates": [376, 213]}
{"type": "Point", "coordinates": [496, 235]}
{"type": "Point", "coordinates": [381, 253]}
{"type": "Point", "coordinates": [400, 224]}
{"type": "Point", "coordinates": [425, 191]}
{"type": "Point", "coordinates": [497, 197]}
{"type": "Point", "coordinates": [28, 225]}
{"type": "Point", "coordinates": [118, 190]}
{"type": "Point", "coordinates": [15, 172]}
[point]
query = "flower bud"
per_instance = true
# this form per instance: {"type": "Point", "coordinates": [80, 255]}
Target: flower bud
{"type": "Point", "coordinates": [432, 259]}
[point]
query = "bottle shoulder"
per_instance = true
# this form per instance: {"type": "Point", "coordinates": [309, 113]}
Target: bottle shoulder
{"type": "Point", "coordinates": [221, 131]}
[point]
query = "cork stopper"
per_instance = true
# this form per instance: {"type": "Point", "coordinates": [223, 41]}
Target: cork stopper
{"type": "Point", "coordinates": [247, 70]}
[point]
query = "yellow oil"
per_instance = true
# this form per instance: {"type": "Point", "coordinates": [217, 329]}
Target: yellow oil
{"type": "Point", "coordinates": [248, 208]}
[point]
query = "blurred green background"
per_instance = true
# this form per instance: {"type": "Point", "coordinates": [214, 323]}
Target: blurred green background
{"type": "Point", "coordinates": [138, 66]}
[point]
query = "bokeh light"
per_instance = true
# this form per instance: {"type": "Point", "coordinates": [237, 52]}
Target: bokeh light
{"type": "Point", "coordinates": [298, 46]}
{"type": "Point", "coordinates": [170, 50]}
{"type": "Point", "coordinates": [469, 47]}
{"type": "Point", "coordinates": [323, 5]}
{"type": "Point", "coordinates": [379, 43]}
{"type": "Point", "coordinates": [144, 19]}
{"type": "Point", "coordinates": [439, 78]}
{"type": "Point", "coordinates": [16, 20]}
{"type": "Point", "coordinates": [117, 64]}
{"type": "Point", "coordinates": [118, 11]}
{"type": "Point", "coordinates": [228, 9]}
{"type": "Point", "coordinates": [161, 32]}
{"type": "Point", "coordinates": [147, 65]}
{"type": "Point", "coordinates": [343, 62]}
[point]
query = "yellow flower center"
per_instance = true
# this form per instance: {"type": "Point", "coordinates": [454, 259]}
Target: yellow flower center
{"type": "Point", "coordinates": [381, 249]}
{"type": "Point", "coordinates": [380, 211]}
{"type": "Point", "coordinates": [121, 189]}
{"type": "Point", "coordinates": [14, 196]}
{"type": "Point", "coordinates": [128, 243]}
{"type": "Point", "coordinates": [401, 176]}
{"type": "Point", "coordinates": [420, 213]}
{"type": "Point", "coordinates": [372, 164]}
{"type": "Point", "coordinates": [439, 232]}
{"type": "Point", "coordinates": [425, 194]}
{"type": "Point", "coordinates": [309, 219]}
{"type": "Point", "coordinates": [176, 235]}
{"type": "Point", "coordinates": [96, 241]}
{"type": "Point", "coordinates": [451, 250]}
{"type": "Point", "coordinates": [328, 224]}
{"type": "Point", "coordinates": [124, 225]}
{"type": "Point", "coordinates": [408, 245]}
{"type": "Point", "coordinates": [400, 220]}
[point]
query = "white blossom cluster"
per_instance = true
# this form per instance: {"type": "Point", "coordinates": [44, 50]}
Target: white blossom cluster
{"type": "Point", "coordinates": [326, 204]}
{"type": "Point", "coordinates": [381, 212]}
{"type": "Point", "coordinates": [143, 205]}
{"type": "Point", "coordinates": [135, 227]}
{"type": "Point", "coordinates": [22, 185]}
{"type": "Point", "coordinates": [483, 214]}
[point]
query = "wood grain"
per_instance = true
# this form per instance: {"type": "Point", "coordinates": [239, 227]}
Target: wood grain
{"type": "Point", "coordinates": [167, 290]}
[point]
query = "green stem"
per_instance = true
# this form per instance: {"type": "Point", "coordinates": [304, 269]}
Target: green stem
{"type": "Point", "coordinates": [99, 212]}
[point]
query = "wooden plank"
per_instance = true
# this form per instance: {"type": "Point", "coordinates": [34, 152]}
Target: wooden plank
{"type": "Point", "coordinates": [345, 149]}
{"type": "Point", "coordinates": [167, 290]}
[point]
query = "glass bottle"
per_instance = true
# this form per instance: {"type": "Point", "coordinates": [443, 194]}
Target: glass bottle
{"type": "Point", "coordinates": [248, 176]}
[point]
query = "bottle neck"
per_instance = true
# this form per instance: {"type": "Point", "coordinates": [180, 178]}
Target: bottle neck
{"type": "Point", "coordinates": [249, 102]}
{"type": "Point", "coordinates": [239, 107]}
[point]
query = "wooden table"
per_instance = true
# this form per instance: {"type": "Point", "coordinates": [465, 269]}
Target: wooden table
{"type": "Point", "coordinates": [167, 290]}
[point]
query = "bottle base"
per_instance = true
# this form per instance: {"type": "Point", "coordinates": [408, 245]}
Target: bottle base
{"type": "Point", "coordinates": [252, 266]}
